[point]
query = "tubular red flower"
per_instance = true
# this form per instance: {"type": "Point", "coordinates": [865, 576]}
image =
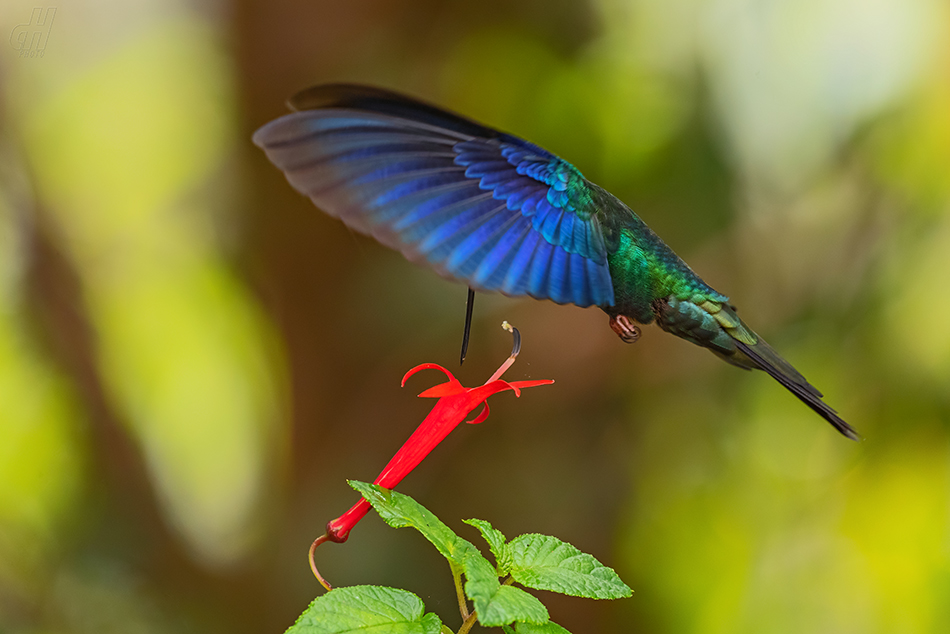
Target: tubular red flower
{"type": "Point", "coordinates": [455, 403]}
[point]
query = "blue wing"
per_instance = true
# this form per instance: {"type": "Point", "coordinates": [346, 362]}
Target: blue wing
{"type": "Point", "coordinates": [477, 205]}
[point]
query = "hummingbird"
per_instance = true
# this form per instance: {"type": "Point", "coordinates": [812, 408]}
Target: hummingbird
{"type": "Point", "coordinates": [501, 214]}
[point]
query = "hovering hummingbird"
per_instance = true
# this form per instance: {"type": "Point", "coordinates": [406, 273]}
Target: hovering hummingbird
{"type": "Point", "coordinates": [502, 214]}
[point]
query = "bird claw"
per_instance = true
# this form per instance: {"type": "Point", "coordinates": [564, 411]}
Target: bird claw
{"type": "Point", "coordinates": [625, 329]}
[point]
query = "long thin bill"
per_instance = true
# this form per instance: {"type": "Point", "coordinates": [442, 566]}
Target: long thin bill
{"type": "Point", "coordinates": [469, 308]}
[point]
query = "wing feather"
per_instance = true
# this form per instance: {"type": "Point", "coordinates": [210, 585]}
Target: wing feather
{"type": "Point", "coordinates": [475, 204]}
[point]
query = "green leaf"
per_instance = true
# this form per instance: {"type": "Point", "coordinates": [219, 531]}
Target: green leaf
{"type": "Point", "coordinates": [401, 511]}
{"type": "Point", "coordinates": [531, 628]}
{"type": "Point", "coordinates": [510, 604]}
{"type": "Point", "coordinates": [366, 609]}
{"type": "Point", "coordinates": [431, 624]}
{"type": "Point", "coordinates": [497, 542]}
{"type": "Point", "coordinates": [497, 604]}
{"type": "Point", "coordinates": [547, 563]}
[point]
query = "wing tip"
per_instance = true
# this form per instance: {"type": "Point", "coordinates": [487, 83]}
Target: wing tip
{"type": "Point", "coordinates": [337, 94]}
{"type": "Point", "coordinates": [259, 136]}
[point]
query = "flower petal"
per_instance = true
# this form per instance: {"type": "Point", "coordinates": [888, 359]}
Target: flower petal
{"type": "Point", "coordinates": [482, 415]}
{"type": "Point", "coordinates": [428, 366]}
{"type": "Point", "coordinates": [448, 388]}
{"type": "Point", "coordinates": [482, 392]}
{"type": "Point", "coordinates": [524, 384]}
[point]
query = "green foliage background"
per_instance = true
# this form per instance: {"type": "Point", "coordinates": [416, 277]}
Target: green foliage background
{"type": "Point", "coordinates": [193, 359]}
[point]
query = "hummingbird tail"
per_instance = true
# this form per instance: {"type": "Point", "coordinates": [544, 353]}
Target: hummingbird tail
{"type": "Point", "coordinates": [766, 359]}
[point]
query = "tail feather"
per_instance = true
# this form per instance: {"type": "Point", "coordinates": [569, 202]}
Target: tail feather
{"type": "Point", "coordinates": [715, 325]}
{"type": "Point", "coordinates": [795, 383]}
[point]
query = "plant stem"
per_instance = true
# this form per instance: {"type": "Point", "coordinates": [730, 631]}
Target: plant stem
{"type": "Point", "coordinates": [467, 623]}
{"type": "Point", "coordinates": [459, 591]}
{"type": "Point", "coordinates": [313, 565]}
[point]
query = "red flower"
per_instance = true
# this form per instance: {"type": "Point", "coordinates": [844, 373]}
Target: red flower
{"type": "Point", "coordinates": [455, 403]}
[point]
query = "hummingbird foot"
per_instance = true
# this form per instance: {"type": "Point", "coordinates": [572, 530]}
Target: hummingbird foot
{"type": "Point", "coordinates": [625, 329]}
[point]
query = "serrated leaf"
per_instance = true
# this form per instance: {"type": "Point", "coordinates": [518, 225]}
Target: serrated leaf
{"type": "Point", "coordinates": [547, 563]}
{"type": "Point", "coordinates": [401, 511]}
{"type": "Point", "coordinates": [360, 609]}
{"type": "Point", "coordinates": [531, 628]}
{"type": "Point", "coordinates": [496, 542]}
{"type": "Point", "coordinates": [510, 604]}
{"type": "Point", "coordinates": [431, 624]}
{"type": "Point", "coordinates": [497, 604]}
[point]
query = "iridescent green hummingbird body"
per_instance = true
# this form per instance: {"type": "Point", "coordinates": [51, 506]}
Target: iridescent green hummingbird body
{"type": "Point", "coordinates": [502, 214]}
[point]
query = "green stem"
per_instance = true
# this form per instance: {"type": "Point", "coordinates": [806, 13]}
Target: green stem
{"type": "Point", "coordinates": [468, 623]}
{"type": "Point", "coordinates": [459, 590]}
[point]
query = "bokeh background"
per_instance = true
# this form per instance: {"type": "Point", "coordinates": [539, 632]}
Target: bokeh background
{"type": "Point", "coordinates": [193, 359]}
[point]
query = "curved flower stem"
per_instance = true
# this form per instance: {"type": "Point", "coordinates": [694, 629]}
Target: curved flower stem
{"type": "Point", "coordinates": [515, 349]}
{"type": "Point", "coordinates": [467, 623]}
{"type": "Point", "coordinates": [460, 591]}
{"type": "Point", "coordinates": [313, 565]}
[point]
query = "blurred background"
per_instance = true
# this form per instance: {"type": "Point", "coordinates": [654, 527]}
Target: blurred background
{"type": "Point", "coordinates": [193, 359]}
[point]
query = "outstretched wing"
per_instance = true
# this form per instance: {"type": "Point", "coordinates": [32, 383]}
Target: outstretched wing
{"type": "Point", "coordinates": [475, 204]}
